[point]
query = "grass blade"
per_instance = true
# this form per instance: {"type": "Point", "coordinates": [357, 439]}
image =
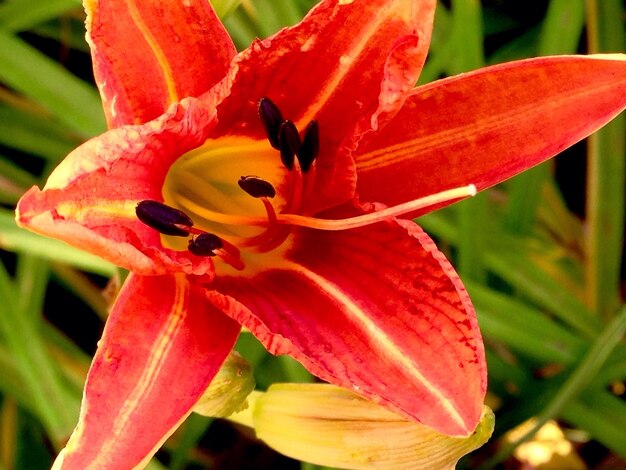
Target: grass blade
{"type": "Point", "coordinates": [582, 376]}
{"type": "Point", "coordinates": [20, 15]}
{"type": "Point", "coordinates": [13, 238]}
{"type": "Point", "coordinates": [72, 101]}
{"type": "Point", "coordinates": [606, 175]}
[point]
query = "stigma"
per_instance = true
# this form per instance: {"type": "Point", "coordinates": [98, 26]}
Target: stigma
{"type": "Point", "coordinates": [228, 214]}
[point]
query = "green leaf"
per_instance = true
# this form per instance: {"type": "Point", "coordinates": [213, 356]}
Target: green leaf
{"type": "Point", "coordinates": [577, 381]}
{"type": "Point", "coordinates": [524, 328]}
{"type": "Point", "coordinates": [528, 279]}
{"type": "Point", "coordinates": [70, 33]}
{"type": "Point", "coordinates": [20, 15]}
{"type": "Point", "coordinates": [12, 384]}
{"type": "Point", "coordinates": [600, 422]}
{"type": "Point", "coordinates": [562, 27]}
{"type": "Point", "coordinates": [521, 47]}
{"type": "Point", "coordinates": [39, 373]}
{"type": "Point", "coordinates": [32, 278]}
{"type": "Point", "coordinates": [35, 133]}
{"type": "Point", "coordinates": [13, 181]}
{"type": "Point", "coordinates": [189, 435]}
{"type": "Point", "coordinates": [30, 72]}
{"type": "Point", "coordinates": [224, 8]}
{"type": "Point", "coordinates": [14, 238]}
{"type": "Point", "coordinates": [82, 287]}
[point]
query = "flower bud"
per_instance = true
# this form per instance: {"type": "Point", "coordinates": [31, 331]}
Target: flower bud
{"type": "Point", "coordinates": [228, 390]}
{"type": "Point", "coordinates": [331, 426]}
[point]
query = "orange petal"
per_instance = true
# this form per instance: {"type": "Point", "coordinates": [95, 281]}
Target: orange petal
{"type": "Point", "coordinates": [378, 310]}
{"type": "Point", "coordinates": [162, 345]}
{"type": "Point", "coordinates": [488, 125]}
{"type": "Point", "coordinates": [347, 64]}
{"type": "Point", "coordinates": [89, 200]}
{"type": "Point", "coordinates": [148, 55]}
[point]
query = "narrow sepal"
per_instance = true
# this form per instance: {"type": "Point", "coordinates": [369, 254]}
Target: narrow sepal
{"type": "Point", "coordinates": [162, 345]}
{"type": "Point", "coordinates": [148, 55]}
{"type": "Point", "coordinates": [486, 126]}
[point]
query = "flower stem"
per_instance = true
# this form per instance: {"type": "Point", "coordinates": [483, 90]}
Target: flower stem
{"type": "Point", "coordinates": [606, 176]}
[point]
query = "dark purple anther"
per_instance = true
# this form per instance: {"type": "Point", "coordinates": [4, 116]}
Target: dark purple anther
{"type": "Point", "coordinates": [256, 187]}
{"type": "Point", "coordinates": [310, 146]}
{"type": "Point", "coordinates": [204, 244]}
{"type": "Point", "coordinates": [163, 218]}
{"type": "Point", "coordinates": [272, 118]}
{"type": "Point", "coordinates": [289, 141]}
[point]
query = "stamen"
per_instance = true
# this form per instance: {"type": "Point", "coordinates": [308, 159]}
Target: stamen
{"type": "Point", "coordinates": [228, 258]}
{"type": "Point", "coordinates": [378, 216]}
{"type": "Point", "coordinates": [271, 118]}
{"type": "Point", "coordinates": [163, 218]}
{"type": "Point", "coordinates": [289, 143]}
{"type": "Point", "coordinates": [269, 234]}
{"type": "Point", "coordinates": [209, 244]}
{"type": "Point", "coordinates": [256, 187]}
{"type": "Point", "coordinates": [205, 244]}
{"type": "Point", "coordinates": [310, 147]}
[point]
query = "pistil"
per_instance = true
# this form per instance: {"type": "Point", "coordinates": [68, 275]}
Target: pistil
{"type": "Point", "coordinates": [378, 216]}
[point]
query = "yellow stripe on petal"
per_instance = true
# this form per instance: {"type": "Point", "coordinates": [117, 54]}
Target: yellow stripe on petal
{"type": "Point", "coordinates": [168, 76]}
{"type": "Point", "coordinates": [159, 354]}
{"type": "Point", "coordinates": [344, 64]}
{"type": "Point", "coordinates": [83, 211]}
{"type": "Point", "coordinates": [386, 344]}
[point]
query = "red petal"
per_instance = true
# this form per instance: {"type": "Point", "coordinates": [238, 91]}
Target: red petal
{"type": "Point", "coordinates": [488, 125]}
{"type": "Point", "coordinates": [343, 64]}
{"type": "Point", "coordinates": [148, 55]}
{"type": "Point", "coordinates": [376, 309]}
{"type": "Point", "coordinates": [162, 345]}
{"type": "Point", "coordinates": [89, 200]}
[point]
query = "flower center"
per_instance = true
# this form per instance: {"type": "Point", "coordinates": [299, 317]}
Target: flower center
{"type": "Point", "coordinates": [236, 197]}
{"type": "Point", "coordinates": [232, 189]}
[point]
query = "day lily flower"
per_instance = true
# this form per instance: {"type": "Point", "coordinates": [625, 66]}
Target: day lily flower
{"type": "Point", "coordinates": [271, 189]}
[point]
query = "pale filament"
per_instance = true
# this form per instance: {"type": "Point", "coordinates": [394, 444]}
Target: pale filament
{"type": "Point", "coordinates": [378, 216]}
{"type": "Point", "coordinates": [335, 224]}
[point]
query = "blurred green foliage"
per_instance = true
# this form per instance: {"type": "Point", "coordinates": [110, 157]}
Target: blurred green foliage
{"type": "Point", "coordinates": [541, 254]}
